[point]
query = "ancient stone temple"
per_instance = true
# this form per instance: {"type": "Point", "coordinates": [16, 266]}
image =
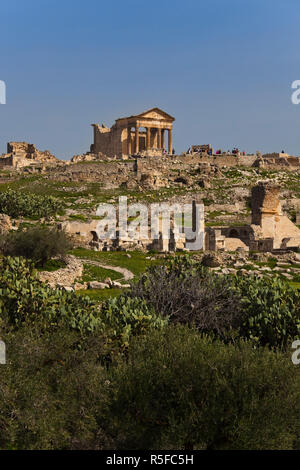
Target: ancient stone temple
{"type": "Point", "coordinates": [270, 228]}
{"type": "Point", "coordinates": [146, 133]}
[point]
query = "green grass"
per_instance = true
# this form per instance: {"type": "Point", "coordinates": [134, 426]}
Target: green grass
{"type": "Point", "coordinates": [52, 265]}
{"type": "Point", "coordinates": [296, 285]}
{"type": "Point", "coordinates": [96, 273]}
{"type": "Point", "coordinates": [78, 217]}
{"type": "Point", "coordinates": [271, 263]}
{"type": "Point", "coordinates": [137, 263]}
{"type": "Point", "coordinates": [215, 224]}
{"type": "Point", "coordinates": [99, 295]}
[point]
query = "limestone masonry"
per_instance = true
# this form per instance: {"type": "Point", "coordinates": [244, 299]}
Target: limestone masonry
{"type": "Point", "coordinates": [148, 134]}
{"type": "Point", "coordinates": [22, 154]}
{"type": "Point", "coordinates": [136, 155]}
{"type": "Point", "coordinates": [270, 230]}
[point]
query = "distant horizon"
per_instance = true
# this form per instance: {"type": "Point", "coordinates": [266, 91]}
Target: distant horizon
{"type": "Point", "coordinates": [223, 69]}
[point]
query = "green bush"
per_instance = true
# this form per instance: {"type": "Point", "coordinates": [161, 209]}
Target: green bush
{"type": "Point", "coordinates": [16, 204]}
{"type": "Point", "coordinates": [53, 394]}
{"type": "Point", "coordinates": [37, 243]}
{"type": "Point", "coordinates": [174, 389]}
{"type": "Point", "coordinates": [25, 299]}
{"type": "Point", "coordinates": [180, 390]}
{"type": "Point", "coordinates": [273, 311]}
{"type": "Point", "coordinates": [266, 311]}
{"type": "Point", "coordinates": [187, 292]}
{"type": "Point", "coordinates": [126, 316]}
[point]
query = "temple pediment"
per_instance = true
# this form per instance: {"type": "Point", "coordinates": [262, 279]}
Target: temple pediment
{"type": "Point", "coordinates": [157, 114]}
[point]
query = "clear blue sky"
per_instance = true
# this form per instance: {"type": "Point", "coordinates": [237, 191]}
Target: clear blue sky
{"type": "Point", "coordinates": [223, 68]}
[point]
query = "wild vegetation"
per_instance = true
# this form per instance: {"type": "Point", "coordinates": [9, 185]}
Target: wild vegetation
{"type": "Point", "coordinates": [186, 358]}
{"type": "Point", "coordinates": [16, 204]}
{"type": "Point", "coordinates": [148, 370]}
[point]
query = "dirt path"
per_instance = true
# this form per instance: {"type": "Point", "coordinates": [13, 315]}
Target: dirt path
{"type": "Point", "coordinates": [128, 275]}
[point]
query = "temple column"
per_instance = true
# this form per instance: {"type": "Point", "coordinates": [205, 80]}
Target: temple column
{"type": "Point", "coordinates": [163, 139]}
{"type": "Point", "coordinates": [137, 138]}
{"type": "Point", "coordinates": [170, 141]}
{"type": "Point", "coordinates": [159, 138]}
{"type": "Point", "coordinates": [148, 143]}
{"type": "Point", "coordinates": [153, 137]}
{"type": "Point", "coordinates": [156, 138]}
{"type": "Point", "coordinates": [129, 141]}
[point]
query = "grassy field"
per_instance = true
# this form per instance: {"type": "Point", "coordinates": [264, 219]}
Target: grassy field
{"type": "Point", "coordinates": [135, 261]}
{"type": "Point", "coordinates": [96, 273]}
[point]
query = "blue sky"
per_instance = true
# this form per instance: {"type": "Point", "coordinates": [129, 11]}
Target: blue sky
{"type": "Point", "coordinates": [222, 68]}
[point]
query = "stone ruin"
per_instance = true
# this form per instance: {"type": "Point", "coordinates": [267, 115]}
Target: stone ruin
{"type": "Point", "coordinates": [84, 234]}
{"type": "Point", "coordinates": [270, 229]}
{"type": "Point", "coordinates": [22, 154]}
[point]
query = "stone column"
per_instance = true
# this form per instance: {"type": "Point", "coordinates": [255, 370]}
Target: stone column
{"type": "Point", "coordinates": [129, 141]}
{"type": "Point", "coordinates": [148, 143]}
{"type": "Point", "coordinates": [155, 137]}
{"type": "Point", "coordinates": [163, 138]}
{"type": "Point", "coordinates": [159, 138]}
{"type": "Point", "coordinates": [170, 141]}
{"type": "Point", "coordinates": [137, 138]}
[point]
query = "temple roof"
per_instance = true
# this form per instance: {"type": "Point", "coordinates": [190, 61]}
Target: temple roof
{"type": "Point", "coordinates": [153, 113]}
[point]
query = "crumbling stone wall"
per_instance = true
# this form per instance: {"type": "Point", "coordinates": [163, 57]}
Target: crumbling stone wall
{"type": "Point", "coordinates": [109, 141]}
{"type": "Point", "coordinates": [110, 173]}
{"type": "Point", "coordinates": [22, 154]}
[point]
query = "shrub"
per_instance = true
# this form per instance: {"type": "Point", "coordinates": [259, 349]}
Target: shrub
{"type": "Point", "coordinates": [53, 394]}
{"type": "Point", "coordinates": [266, 311]}
{"type": "Point", "coordinates": [273, 311]}
{"type": "Point", "coordinates": [17, 203]}
{"type": "Point", "coordinates": [126, 316]}
{"type": "Point", "coordinates": [187, 292]}
{"type": "Point", "coordinates": [180, 390]}
{"type": "Point", "coordinates": [37, 243]}
{"type": "Point", "coordinates": [25, 299]}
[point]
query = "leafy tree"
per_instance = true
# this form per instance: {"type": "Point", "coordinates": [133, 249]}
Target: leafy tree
{"type": "Point", "coordinates": [37, 243]}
